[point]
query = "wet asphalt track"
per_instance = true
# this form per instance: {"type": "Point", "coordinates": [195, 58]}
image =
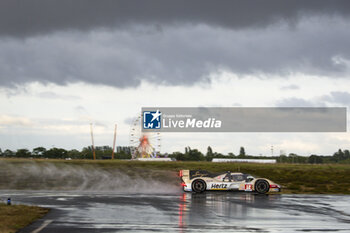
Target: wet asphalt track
{"type": "Point", "coordinates": [186, 212]}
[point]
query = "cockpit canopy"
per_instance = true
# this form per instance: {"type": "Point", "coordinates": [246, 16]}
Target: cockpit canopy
{"type": "Point", "coordinates": [235, 176]}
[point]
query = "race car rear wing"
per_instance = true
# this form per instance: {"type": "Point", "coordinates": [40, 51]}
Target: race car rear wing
{"type": "Point", "coordinates": [185, 175]}
{"type": "Point", "coordinates": [191, 174]}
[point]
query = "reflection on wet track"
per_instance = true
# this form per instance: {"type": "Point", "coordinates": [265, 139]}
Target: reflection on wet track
{"type": "Point", "coordinates": [187, 212]}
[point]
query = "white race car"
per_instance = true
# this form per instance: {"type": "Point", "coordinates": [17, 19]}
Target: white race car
{"type": "Point", "coordinates": [199, 181]}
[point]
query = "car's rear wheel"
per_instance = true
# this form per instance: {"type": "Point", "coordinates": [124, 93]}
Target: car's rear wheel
{"type": "Point", "coordinates": [262, 186]}
{"type": "Point", "coordinates": [199, 186]}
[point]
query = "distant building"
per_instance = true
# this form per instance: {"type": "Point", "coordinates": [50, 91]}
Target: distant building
{"type": "Point", "coordinates": [125, 149]}
{"type": "Point", "coordinates": [103, 148]}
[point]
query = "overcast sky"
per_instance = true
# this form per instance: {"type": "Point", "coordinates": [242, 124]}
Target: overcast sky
{"type": "Point", "coordinates": [64, 64]}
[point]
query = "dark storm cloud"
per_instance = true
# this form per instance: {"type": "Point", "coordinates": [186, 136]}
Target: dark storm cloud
{"type": "Point", "coordinates": [28, 17]}
{"type": "Point", "coordinates": [176, 55]}
{"type": "Point", "coordinates": [122, 43]}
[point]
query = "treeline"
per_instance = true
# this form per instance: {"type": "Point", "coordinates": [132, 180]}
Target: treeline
{"type": "Point", "coordinates": [102, 152]}
{"type": "Point", "coordinates": [194, 155]}
{"type": "Point", "coordinates": [105, 152]}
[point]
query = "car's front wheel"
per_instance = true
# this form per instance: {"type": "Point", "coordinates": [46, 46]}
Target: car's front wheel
{"type": "Point", "coordinates": [199, 186]}
{"type": "Point", "coordinates": [262, 186]}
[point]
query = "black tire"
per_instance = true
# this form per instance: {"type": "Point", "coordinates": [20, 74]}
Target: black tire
{"type": "Point", "coordinates": [199, 186]}
{"type": "Point", "coordinates": [262, 186]}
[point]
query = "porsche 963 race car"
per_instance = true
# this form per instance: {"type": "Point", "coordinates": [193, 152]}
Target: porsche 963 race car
{"type": "Point", "coordinates": [199, 181]}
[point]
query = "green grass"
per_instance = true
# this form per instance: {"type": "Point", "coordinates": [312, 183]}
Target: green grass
{"type": "Point", "coordinates": [15, 217]}
{"type": "Point", "coordinates": [295, 178]}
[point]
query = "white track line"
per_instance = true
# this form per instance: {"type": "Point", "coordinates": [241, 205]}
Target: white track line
{"type": "Point", "coordinates": [45, 223]}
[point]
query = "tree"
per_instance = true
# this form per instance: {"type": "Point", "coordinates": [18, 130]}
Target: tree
{"type": "Point", "coordinates": [178, 156]}
{"type": "Point", "coordinates": [103, 152]}
{"type": "Point", "coordinates": [0, 152]}
{"type": "Point", "coordinates": [209, 155]}
{"type": "Point", "coordinates": [282, 159]}
{"type": "Point", "coordinates": [122, 155]}
{"type": "Point", "coordinates": [8, 153]}
{"type": "Point", "coordinates": [74, 154]}
{"type": "Point", "coordinates": [338, 156]}
{"type": "Point", "coordinates": [209, 151]}
{"type": "Point", "coordinates": [293, 157]}
{"type": "Point", "coordinates": [242, 152]}
{"type": "Point", "coordinates": [86, 153]}
{"type": "Point", "coordinates": [56, 153]}
{"type": "Point", "coordinates": [195, 155]}
{"type": "Point", "coordinates": [315, 159]}
{"type": "Point", "coordinates": [23, 153]}
{"type": "Point", "coordinates": [38, 152]}
{"type": "Point", "coordinates": [346, 154]}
